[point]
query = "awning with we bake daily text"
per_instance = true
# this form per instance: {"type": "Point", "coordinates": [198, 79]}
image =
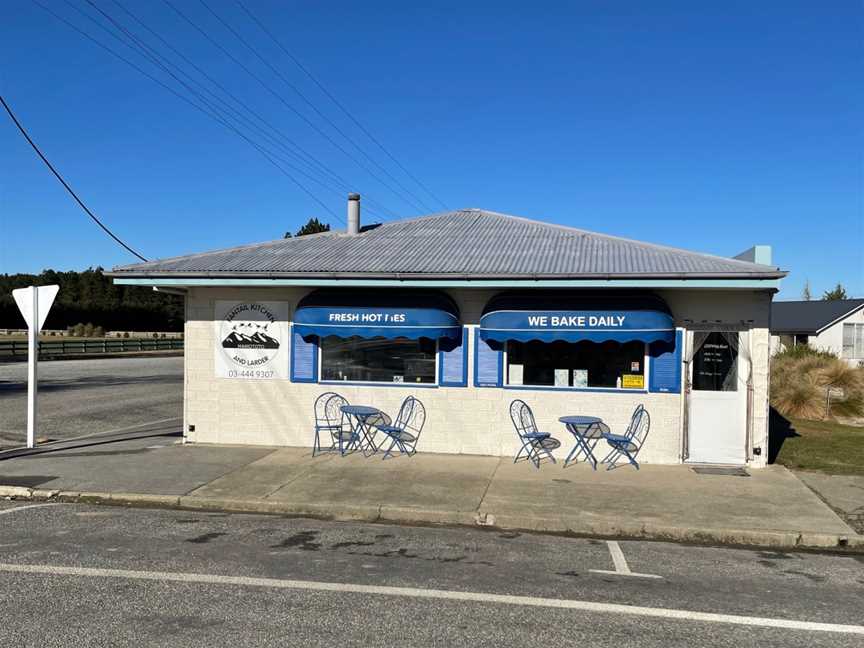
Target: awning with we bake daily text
{"type": "Point", "coordinates": [367, 313]}
{"type": "Point", "coordinates": [549, 317]}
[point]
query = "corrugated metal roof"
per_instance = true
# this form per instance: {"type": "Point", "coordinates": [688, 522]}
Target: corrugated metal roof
{"type": "Point", "coordinates": [810, 317]}
{"type": "Point", "coordinates": [468, 243]}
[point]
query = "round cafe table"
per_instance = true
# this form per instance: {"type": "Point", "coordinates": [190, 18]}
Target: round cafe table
{"type": "Point", "coordinates": [587, 430]}
{"type": "Point", "coordinates": [364, 419]}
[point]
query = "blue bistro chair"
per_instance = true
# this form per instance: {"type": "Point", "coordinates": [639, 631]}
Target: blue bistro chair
{"type": "Point", "coordinates": [332, 424]}
{"type": "Point", "coordinates": [535, 444]}
{"type": "Point", "coordinates": [405, 431]}
{"type": "Point", "coordinates": [630, 443]}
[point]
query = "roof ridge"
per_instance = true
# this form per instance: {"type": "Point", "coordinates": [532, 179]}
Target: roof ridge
{"type": "Point", "coordinates": [624, 239]}
{"type": "Point", "coordinates": [856, 300]}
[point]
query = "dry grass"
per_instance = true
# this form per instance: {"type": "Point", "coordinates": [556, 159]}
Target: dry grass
{"type": "Point", "coordinates": [800, 381]}
{"type": "Point", "coordinates": [823, 446]}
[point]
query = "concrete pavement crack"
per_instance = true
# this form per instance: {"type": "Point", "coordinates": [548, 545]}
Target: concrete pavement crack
{"type": "Point", "coordinates": [488, 485]}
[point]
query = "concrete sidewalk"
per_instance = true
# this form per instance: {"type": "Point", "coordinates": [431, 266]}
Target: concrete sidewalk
{"type": "Point", "coordinates": [769, 508]}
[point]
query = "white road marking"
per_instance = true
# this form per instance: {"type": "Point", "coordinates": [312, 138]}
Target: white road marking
{"type": "Point", "coordinates": [448, 595]}
{"type": "Point", "coordinates": [21, 508]}
{"type": "Point", "coordinates": [620, 562]}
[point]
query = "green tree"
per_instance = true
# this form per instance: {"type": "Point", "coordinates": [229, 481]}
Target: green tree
{"type": "Point", "coordinates": [312, 226]}
{"type": "Point", "coordinates": [839, 292]}
{"type": "Point", "coordinates": [91, 296]}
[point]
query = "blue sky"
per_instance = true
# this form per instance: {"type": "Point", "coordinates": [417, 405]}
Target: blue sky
{"type": "Point", "coordinates": [708, 126]}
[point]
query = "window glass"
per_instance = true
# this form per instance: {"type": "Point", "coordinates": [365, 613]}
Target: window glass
{"type": "Point", "coordinates": [853, 341]}
{"type": "Point", "coordinates": [848, 340]}
{"type": "Point", "coordinates": [378, 360]}
{"type": "Point", "coordinates": [576, 364]}
{"type": "Point", "coordinates": [715, 365]}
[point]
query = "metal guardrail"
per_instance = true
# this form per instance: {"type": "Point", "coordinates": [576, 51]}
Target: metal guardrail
{"type": "Point", "coordinates": [101, 345]}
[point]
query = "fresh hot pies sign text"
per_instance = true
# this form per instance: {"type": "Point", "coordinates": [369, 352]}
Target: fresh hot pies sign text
{"type": "Point", "coordinates": [367, 318]}
{"type": "Point", "coordinates": [577, 321]}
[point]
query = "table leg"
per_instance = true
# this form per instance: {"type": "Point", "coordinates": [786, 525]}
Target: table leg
{"type": "Point", "coordinates": [369, 436]}
{"type": "Point", "coordinates": [582, 447]}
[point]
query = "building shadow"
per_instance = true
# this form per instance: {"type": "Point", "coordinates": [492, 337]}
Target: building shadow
{"type": "Point", "coordinates": [779, 429]}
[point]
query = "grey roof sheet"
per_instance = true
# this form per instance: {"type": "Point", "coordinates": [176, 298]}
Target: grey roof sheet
{"type": "Point", "coordinates": [810, 317]}
{"type": "Point", "coordinates": [470, 243]}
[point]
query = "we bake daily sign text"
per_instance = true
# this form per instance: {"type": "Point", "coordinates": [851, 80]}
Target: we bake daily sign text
{"type": "Point", "coordinates": [576, 321]}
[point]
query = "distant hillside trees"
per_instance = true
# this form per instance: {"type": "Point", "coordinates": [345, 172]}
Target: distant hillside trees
{"type": "Point", "coordinates": [91, 297]}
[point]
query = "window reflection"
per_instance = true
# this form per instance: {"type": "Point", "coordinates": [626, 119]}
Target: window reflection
{"type": "Point", "coordinates": [378, 360]}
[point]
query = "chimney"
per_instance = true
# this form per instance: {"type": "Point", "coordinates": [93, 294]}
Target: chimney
{"type": "Point", "coordinates": [353, 213]}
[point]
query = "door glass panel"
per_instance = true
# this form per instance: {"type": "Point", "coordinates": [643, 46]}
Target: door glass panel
{"type": "Point", "coordinates": [715, 365]}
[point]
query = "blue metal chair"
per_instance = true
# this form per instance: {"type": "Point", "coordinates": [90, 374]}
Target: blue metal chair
{"type": "Point", "coordinates": [630, 443]}
{"type": "Point", "coordinates": [405, 431]}
{"type": "Point", "coordinates": [535, 444]}
{"type": "Point", "coordinates": [332, 423]}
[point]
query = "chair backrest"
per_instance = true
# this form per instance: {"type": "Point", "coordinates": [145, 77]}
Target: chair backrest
{"type": "Point", "coordinates": [640, 425]}
{"type": "Point", "coordinates": [634, 419]}
{"type": "Point", "coordinates": [321, 407]}
{"type": "Point", "coordinates": [523, 418]}
{"type": "Point", "coordinates": [411, 417]}
{"type": "Point", "coordinates": [333, 414]}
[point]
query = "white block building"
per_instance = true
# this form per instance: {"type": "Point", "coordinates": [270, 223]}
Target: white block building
{"type": "Point", "coordinates": [468, 310]}
{"type": "Point", "coordinates": [836, 326]}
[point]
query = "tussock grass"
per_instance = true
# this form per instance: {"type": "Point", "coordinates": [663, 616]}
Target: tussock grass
{"type": "Point", "coordinates": [801, 377]}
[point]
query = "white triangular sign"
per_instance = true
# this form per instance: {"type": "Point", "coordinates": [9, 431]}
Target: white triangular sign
{"type": "Point", "coordinates": [45, 296]}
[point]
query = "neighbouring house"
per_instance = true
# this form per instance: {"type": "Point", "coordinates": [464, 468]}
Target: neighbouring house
{"type": "Point", "coordinates": [469, 310]}
{"type": "Point", "coordinates": [834, 325]}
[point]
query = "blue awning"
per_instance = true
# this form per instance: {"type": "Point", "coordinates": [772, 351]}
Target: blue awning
{"type": "Point", "coordinates": [378, 313]}
{"type": "Point", "coordinates": [573, 318]}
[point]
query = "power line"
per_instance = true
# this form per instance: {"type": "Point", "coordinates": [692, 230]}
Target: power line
{"type": "Point", "coordinates": [405, 194]}
{"type": "Point", "coordinates": [345, 136]}
{"type": "Point", "coordinates": [138, 68]}
{"type": "Point", "coordinates": [338, 103]}
{"type": "Point", "coordinates": [242, 65]}
{"type": "Point", "coordinates": [214, 108]}
{"type": "Point", "coordinates": [64, 183]}
{"type": "Point", "coordinates": [320, 168]}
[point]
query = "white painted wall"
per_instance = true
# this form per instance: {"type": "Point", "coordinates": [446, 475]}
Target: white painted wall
{"type": "Point", "coordinates": [460, 420]}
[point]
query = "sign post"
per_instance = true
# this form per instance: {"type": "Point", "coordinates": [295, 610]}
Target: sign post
{"type": "Point", "coordinates": [34, 303]}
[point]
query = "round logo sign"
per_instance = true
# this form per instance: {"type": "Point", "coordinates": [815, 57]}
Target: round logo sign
{"type": "Point", "coordinates": [250, 336]}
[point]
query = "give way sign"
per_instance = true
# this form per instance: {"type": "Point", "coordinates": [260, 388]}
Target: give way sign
{"type": "Point", "coordinates": [34, 303]}
{"type": "Point", "coordinates": [44, 298]}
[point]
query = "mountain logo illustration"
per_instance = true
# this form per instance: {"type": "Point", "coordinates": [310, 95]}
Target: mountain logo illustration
{"type": "Point", "coordinates": [254, 337]}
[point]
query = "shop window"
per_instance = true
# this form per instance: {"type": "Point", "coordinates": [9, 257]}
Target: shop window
{"type": "Point", "coordinates": [853, 341]}
{"type": "Point", "coordinates": [715, 364]}
{"type": "Point", "coordinates": [378, 360]}
{"type": "Point", "coordinates": [576, 364]}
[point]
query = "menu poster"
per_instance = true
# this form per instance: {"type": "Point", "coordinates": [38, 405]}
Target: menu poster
{"type": "Point", "coordinates": [516, 374]}
{"type": "Point", "coordinates": [562, 378]}
{"type": "Point", "coordinates": [580, 377]}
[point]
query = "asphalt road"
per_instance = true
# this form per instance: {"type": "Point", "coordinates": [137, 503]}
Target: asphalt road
{"type": "Point", "coordinates": [78, 397]}
{"type": "Point", "coordinates": [76, 575]}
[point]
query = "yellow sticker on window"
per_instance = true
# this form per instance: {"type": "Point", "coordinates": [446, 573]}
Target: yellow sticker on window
{"type": "Point", "coordinates": [633, 381]}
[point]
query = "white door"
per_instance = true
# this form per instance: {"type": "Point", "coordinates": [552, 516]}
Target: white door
{"type": "Point", "coordinates": [717, 421]}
